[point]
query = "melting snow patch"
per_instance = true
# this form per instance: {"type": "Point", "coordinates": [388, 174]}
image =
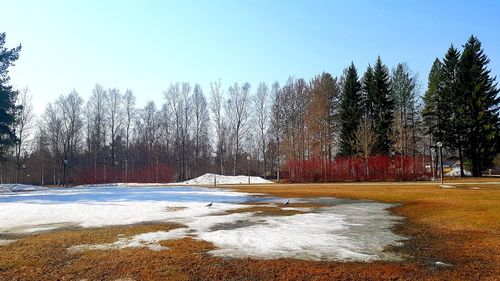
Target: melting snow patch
{"type": "Point", "coordinates": [356, 232]}
{"type": "Point", "coordinates": [147, 240]}
{"type": "Point", "coordinates": [442, 264]}
{"type": "Point", "coordinates": [4, 242]}
{"type": "Point", "coordinates": [350, 230]}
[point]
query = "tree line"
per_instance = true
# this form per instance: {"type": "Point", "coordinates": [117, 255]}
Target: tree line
{"type": "Point", "coordinates": [303, 127]}
{"type": "Point", "coordinates": [461, 105]}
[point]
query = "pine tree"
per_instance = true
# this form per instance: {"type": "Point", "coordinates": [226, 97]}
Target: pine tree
{"type": "Point", "coordinates": [383, 107]}
{"type": "Point", "coordinates": [480, 94]}
{"type": "Point", "coordinates": [351, 110]}
{"type": "Point", "coordinates": [7, 95]}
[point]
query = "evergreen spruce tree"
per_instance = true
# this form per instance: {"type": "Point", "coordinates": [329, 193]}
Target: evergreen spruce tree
{"type": "Point", "coordinates": [435, 106]}
{"type": "Point", "coordinates": [7, 96]}
{"type": "Point", "coordinates": [351, 109]}
{"type": "Point", "coordinates": [480, 94]}
{"type": "Point", "coordinates": [453, 104]}
{"type": "Point", "coordinates": [383, 107]}
{"type": "Point", "coordinates": [368, 90]}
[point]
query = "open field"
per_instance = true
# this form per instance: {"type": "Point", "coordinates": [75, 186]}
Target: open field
{"type": "Point", "coordinates": [459, 226]}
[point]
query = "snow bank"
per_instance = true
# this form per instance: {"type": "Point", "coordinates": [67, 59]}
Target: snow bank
{"type": "Point", "coordinates": [19, 187]}
{"type": "Point", "coordinates": [208, 179]}
{"type": "Point", "coordinates": [455, 172]}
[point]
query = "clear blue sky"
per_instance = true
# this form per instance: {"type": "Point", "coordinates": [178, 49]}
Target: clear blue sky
{"type": "Point", "coordinates": [146, 45]}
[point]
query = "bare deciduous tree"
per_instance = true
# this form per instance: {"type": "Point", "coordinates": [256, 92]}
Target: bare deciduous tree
{"type": "Point", "coordinates": [115, 117]}
{"type": "Point", "coordinates": [237, 110]}
{"type": "Point", "coordinates": [277, 124]}
{"type": "Point", "coordinates": [129, 115]}
{"type": "Point", "coordinates": [147, 126]}
{"type": "Point", "coordinates": [365, 138]}
{"type": "Point", "coordinates": [262, 113]}
{"type": "Point", "coordinates": [404, 131]}
{"type": "Point", "coordinates": [23, 126]}
{"type": "Point", "coordinates": [186, 108]}
{"type": "Point", "coordinates": [52, 125]}
{"type": "Point", "coordinates": [97, 110]}
{"type": "Point", "coordinates": [216, 107]}
{"type": "Point", "coordinates": [70, 107]}
{"type": "Point", "coordinates": [200, 126]}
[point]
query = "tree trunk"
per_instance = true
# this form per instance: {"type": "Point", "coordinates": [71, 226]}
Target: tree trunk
{"type": "Point", "coordinates": [461, 159]}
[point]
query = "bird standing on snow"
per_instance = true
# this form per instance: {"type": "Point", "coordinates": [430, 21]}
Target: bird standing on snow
{"type": "Point", "coordinates": [287, 202]}
{"type": "Point", "coordinates": [210, 204]}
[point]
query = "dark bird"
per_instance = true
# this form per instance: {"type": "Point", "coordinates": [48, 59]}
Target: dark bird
{"type": "Point", "coordinates": [287, 202]}
{"type": "Point", "coordinates": [210, 204]}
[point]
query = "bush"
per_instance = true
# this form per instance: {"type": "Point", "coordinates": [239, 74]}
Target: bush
{"type": "Point", "coordinates": [375, 168]}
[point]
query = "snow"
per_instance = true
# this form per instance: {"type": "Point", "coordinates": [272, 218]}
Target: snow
{"type": "Point", "coordinates": [149, 240]}
{"type": "Point", "coordinates": [455, 172]}
{"type": "Point", "coordinates": [6, 242]}
{"type": "Point", "coordinates": [124, 185]}
{"type": "Point", "coordinates": [349, 230]}
{"type": "Point", "coordinates": [442, 264]}
{"type": "Point", "coordinates": [357, 232]}
{"type": "Point", "coordinates": [208, 179]}
{"type": "Point", "coordinates": [18, 188]}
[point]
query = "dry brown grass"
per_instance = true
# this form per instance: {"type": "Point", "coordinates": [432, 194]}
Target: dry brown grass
{"type": "Point", "coordinates": [459, 226]}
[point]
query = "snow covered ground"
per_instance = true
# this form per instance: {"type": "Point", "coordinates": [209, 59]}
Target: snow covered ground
{"type": "Point", "coordinates": [209, 179]}
{"type": "Point", "coordinates": [18, 187]}
{"type": "Point", "coordinates": [349, 230]}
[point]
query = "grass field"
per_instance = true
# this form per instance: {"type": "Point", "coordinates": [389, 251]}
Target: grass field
{"type": "Point", "coordinates": [457, 226]}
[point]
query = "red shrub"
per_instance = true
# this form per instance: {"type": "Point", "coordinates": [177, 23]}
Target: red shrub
{"type": "Point", "coordinates": [375, 168]}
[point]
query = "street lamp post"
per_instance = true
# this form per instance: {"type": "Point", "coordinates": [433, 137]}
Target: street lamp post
{"type": "Point", "coordinates": [440, 146]}
{"type": "Point", "coordinates": [214, 155]}
{"type": "Point", "coordinates": [126, 171]}
{"type": "Point", "coordinates": [65, 162]}
{"type": "Point", "coordinates": [433, 151]}
{"type": "Point", "coordinates": [115, 172]}
{"type": "Point", "coordinates": [248, 168]}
